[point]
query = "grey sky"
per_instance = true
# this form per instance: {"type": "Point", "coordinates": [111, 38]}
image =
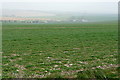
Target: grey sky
{"type": "Point", "coordinates": [84, 7]}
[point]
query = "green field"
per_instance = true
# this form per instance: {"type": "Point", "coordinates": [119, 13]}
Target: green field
{"type": "Point", "coordinates": [60, 50]}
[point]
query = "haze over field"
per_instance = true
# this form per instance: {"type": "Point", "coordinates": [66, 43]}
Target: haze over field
{"type": "Point", "coordinates": [86, 11]}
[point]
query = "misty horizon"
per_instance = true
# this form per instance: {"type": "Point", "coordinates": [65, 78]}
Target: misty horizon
{"type": "Point", "coordinates": [63, 11]}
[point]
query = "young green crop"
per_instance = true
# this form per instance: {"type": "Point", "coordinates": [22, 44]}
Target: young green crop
{"type": "Point", "coordinates": [58, 50]}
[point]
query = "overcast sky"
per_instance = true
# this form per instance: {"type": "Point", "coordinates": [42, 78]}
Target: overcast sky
{"type": "Point", "coordinates": [59, 0]}
{"type": "Point", "coordinates": [85, 6]}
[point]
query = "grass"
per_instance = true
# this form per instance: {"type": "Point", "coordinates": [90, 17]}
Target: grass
{"type": "Point", "coordinates": [59, 50]}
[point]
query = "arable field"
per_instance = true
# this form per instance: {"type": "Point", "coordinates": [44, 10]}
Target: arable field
{"type": "Point", "coordinates": [60, 50]}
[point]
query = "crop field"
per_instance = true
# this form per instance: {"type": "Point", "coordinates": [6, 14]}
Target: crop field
{"type": "Point", "coordinates": [60, 50]}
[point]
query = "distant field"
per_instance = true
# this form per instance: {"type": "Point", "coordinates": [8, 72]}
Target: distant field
{"type": "Point", "coordinates": [60, 50]}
